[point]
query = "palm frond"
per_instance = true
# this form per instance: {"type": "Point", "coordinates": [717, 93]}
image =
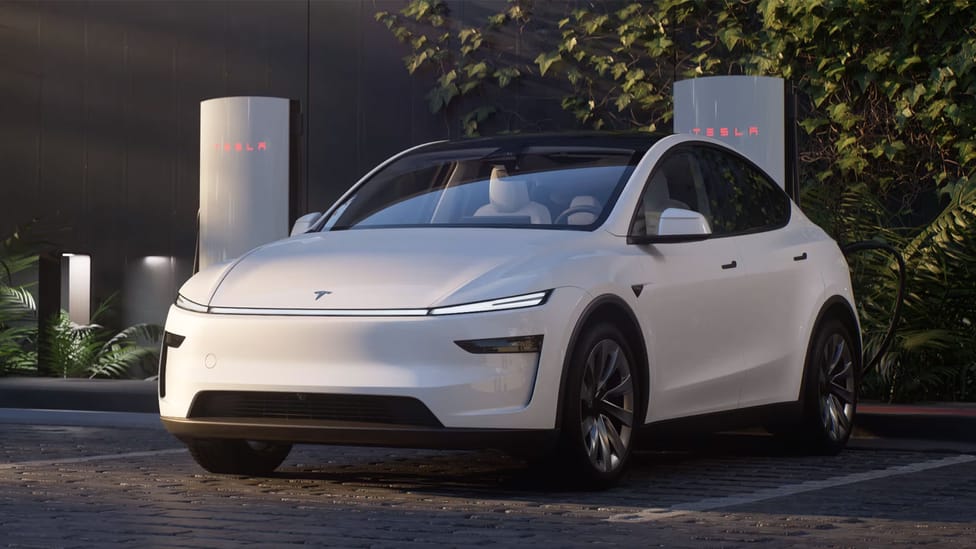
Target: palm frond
{"type": "Point", "coordinates": [118, 359]}
{"type": "Point", "coordinates": [16, 303]}
{"type": "Point", "coordinates": [937, 335]}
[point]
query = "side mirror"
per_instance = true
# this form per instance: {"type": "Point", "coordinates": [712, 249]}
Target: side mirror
{"type": "Point", "coordinates": [676, 225]}
{"type": "Point", "coordinates": [680, 222]}
{"type": "Point", "coordinates": [303, 223]}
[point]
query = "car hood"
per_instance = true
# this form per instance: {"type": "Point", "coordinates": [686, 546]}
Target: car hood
{"type": "Point", "coordinates": [395, 268]}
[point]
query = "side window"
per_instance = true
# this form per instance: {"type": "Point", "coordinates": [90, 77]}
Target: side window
{"type": "Point", "coordinates": [672, 185]}
{"type": "Point", "coordinates": [741, 198]}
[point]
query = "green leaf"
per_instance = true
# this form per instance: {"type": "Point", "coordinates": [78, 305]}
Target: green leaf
{"type": "Point", "coordinates": [546, 60]}
{"type": "Point", "coordinates": [505, 75]}
{"type": "Point", "coordinates": [893, 148]}
{"type": "Point", "coordinates": [618, 70]}
{"type": "Point", "coordinates": [414, 62]}
{"type": "Point", "coordinates": [907, 63]}
{"type": "Point", "coordinates": [623, 100]}
{"type": "Point", "coordinates": [730, 36]}
{"type": "Point", "coordinates": [447, 78]}
{"type": "Point", "coordinates": [441, 96]}
{"type": "Point", "coordinates": [418, 42]}
{"type": "Point", "coordinates": [846, 142]}
{"type": "Point", "coordinates": [478, 70]}
{"type": "Point", "coordinates": [813, 124]}
{"type": "Point", "coordinates": [465, 34]}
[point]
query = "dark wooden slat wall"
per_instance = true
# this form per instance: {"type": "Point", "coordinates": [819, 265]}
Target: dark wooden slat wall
{"type": "Point", "coordinates": [99, 108]}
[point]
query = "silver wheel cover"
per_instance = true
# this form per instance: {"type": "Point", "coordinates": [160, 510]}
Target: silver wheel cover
{"type": "Point", "coordinates": [837, 390]}
{"type": "Point", "coordinates": [606, 405]}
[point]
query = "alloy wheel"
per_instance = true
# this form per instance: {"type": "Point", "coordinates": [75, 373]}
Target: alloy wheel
{"type": "Point", "coordinates": [837, 386]}
{"type": "Point", "coordinates": [607, 405]}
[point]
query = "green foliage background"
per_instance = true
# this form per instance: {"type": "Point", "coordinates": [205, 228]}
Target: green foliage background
{"type": "Point", "coordinates": [887, 111]}
{"type": "Point", "coordinates": [75, 350]}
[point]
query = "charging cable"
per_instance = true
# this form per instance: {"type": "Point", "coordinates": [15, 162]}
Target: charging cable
{"type": "Point", "coordinates": [865, 245]}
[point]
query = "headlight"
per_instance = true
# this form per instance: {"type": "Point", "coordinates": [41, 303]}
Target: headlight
{"type": "Point", "coordinates": [184, 303]}
{"type": "Point", "coordinates": [514, 302]}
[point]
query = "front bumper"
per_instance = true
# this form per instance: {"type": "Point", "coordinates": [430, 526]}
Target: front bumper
{"type": "Point", "coordinates": [413, 357]}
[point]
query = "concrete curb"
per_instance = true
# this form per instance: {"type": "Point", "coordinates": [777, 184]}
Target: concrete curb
{"type": "Point", "coordinates": [947, 422]}
{"type": "Point", "coordinates": [944, 421]}
{"type": "Point", "coordinates": [103, 395]}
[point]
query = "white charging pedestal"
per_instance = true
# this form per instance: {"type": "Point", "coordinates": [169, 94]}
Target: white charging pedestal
{"type": "Point", "coordinates": [244, 175]}
{"type": "Point", "coordinates": [753, 114]}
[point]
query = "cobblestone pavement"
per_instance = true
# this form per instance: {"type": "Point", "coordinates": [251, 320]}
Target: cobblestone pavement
{"type": "Point", "coordinates": [80, 486]}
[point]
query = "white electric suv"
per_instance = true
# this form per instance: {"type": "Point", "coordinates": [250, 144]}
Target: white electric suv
{"type": "Point", "coordinates": [553, 292]}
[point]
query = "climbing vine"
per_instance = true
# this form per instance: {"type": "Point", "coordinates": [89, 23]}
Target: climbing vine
{"type": "Point", "coordinates": [460, 57]}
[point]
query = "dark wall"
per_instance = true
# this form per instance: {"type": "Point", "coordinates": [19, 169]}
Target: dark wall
{"type": "Point", "coordinates": [100, 108]}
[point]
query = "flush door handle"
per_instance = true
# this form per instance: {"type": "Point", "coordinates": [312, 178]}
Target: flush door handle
{"type": "Point", "coordinates": [801, 257]}
{"type": "Point", "coordinates": [730, 265]}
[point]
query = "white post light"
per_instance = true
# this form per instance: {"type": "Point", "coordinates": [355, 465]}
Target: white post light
{"type": "Point", "coordinates": [76, 287]}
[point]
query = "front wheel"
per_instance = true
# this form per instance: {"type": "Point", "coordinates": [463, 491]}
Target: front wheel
{"type": "Point", "coordinates": [237, 457]}
{"type": "Point", "coordinates": [600, 407]}
{"type": "Point", "coordinates": [832, 377]}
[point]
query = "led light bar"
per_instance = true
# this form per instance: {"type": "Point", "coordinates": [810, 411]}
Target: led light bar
{"type": "Point", "coordinates": [318, 312]}
{"type": "Point", "coordinates": [514, 302]}
{"type": "Point", "coordinates": [501, 304]}
{"type": "Point", "coordinates": [184, 303]}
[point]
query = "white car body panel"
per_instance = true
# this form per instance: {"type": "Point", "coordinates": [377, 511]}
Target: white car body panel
{"type": "Point", "coordinates": [715, 339]}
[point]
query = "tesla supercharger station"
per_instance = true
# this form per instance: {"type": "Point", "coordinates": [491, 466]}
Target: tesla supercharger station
{"type": "Point", "coordinates": [753, 114]}
{"type": "Point", "coordinates": [249, 178]}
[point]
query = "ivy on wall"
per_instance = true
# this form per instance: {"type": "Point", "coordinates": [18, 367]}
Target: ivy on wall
{"type": "Point", "coordinates": [460, 57]}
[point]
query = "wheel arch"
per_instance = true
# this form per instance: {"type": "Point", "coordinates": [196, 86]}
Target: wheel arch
{"type": "Point", "coordinates": [834, 308]}
{"type": "Point", "coordinates": [610, 308]}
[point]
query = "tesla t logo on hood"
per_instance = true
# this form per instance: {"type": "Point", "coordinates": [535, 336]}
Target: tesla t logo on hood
{"type": "Point", "coordinates": [320, 293]}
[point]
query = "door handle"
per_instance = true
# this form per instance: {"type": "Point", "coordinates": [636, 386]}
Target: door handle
{"type": "Point", "coordinates": [801, 257]}
{"type": "Point", "coordinates": [730, 265]}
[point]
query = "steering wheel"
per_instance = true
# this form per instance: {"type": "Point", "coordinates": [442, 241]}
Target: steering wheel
{"type": "Point", "coordinates": [563, 218]}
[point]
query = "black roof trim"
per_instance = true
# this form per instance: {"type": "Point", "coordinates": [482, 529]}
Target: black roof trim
{"type": "Point", "coordinates": [638, 141]}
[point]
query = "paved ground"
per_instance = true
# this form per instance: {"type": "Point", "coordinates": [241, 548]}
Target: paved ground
{"type": "Point", "coordinates": [90, 483]}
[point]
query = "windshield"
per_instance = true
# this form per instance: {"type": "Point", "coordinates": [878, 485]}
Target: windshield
{"type": "Point", "coordinates": [535, 187]}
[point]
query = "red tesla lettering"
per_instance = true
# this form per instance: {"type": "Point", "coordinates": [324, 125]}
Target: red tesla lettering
{"type": "Point", "coordinates": [710, 132]}
{"type": "Point", "coordinates": [753, 130]}
{"type": "Point", "coordinates": [241, 146]}
{"type": "Point", "coordinates": [724, 132]}
{"type": "Point", "coordinates": [737, 133]}
{"type": "Point", "coordinates": [696, 131]}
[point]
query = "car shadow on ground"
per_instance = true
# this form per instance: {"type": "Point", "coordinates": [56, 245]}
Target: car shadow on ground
{"type": "Point", "coordinates": [489, 471]}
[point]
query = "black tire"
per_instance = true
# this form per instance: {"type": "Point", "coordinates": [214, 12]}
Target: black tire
{"type": "Point", "coordinates": [832, 377]}
{"type": "Point", "coordinates": [599, 416]}
{"type": "Point", "coordinates": [237, 457]}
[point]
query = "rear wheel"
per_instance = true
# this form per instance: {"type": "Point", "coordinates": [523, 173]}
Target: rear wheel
{"type": "Point", "coordinates": [600, 405]}
{"type": "Point", "coordinates": [832, 377]}
{"type": "Point", "coordinates": [237, 457]}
